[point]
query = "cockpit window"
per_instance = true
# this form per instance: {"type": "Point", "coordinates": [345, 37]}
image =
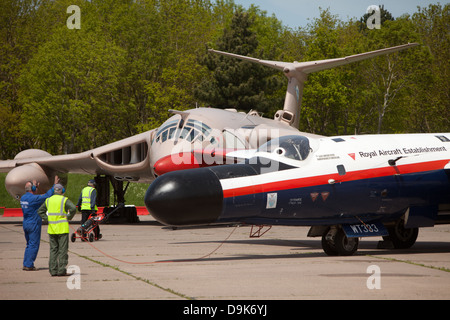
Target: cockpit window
{"type": "Point", "coordinates": [170, 124]}
{"type": "Point", "coordinates": [292, 147]}
{"type": "Point", "coordinates": [166, 131]}
{"type": "Point", "coordinates": [191, 131]}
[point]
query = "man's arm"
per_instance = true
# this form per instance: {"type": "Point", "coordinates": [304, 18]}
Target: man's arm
{"type": "Point", "coordinates": [71, 209]}
{"type": "Point", "coordinates": [93, 199]}
{"type": "Point", "coordinates": [39, 198]}
{"type": "Point", "coordinates": [80, 199]}
{"type": "Point", "coordinates": [44, 196]}
{"type": "Point", "coordinates": [42, 211]}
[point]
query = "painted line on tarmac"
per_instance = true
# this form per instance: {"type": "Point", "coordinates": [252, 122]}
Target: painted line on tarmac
{"type": "Point", "coordinates": [135, 277]}
{"type": "Point", "coordinates": [410, 262]}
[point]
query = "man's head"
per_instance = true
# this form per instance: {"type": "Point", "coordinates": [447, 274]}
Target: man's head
{"type": "Point", "coordinates": [59, 189]}
{"type": "Point", "coordinates": [91, 183]}
{"type": "Point", "coordinates": [30, 187]}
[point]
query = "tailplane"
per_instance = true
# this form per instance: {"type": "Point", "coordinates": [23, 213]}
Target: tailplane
{"type": "Point", "coordinates": [297, 74]}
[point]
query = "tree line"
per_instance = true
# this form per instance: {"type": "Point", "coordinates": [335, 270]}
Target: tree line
{"type": "Point", "coordinates": [68, 90]}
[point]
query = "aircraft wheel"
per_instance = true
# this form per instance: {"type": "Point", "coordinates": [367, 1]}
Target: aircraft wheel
{"type": "Point", "coordinates": [345, 246]}
{"type": "Point", "coordinates": [328, 245]}
{"type": "Point", "coordinates": [336, 243]}
{"type": "Point", "coordinates": [401, 237]}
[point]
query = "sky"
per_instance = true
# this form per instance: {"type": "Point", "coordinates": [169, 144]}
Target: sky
{"type": "Point", "coordinates": [295, 13]}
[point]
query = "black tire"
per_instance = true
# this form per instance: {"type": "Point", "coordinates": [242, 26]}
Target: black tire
{"type": "Point", "coordinates": [345, 246]}
{"type": "Point", "coordinates": [401, 237]}
{"type": "Point", "coordinates": [72, 237]}
{"type": "Point", "coordinates": [91, 237]}
{"type": "Point", "coordinates": [328, 246]}
{"type": "Point", "coordinates": [340, 245]}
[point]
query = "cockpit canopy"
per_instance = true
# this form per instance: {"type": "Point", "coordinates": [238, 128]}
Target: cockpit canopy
{"type": "Point", "coordinates": [292, 147]}
{"type": "Point", "coordinates": [190, 131]}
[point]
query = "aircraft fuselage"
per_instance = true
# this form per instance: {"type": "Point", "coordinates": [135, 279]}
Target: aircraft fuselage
{"type": "Point", "coordinates": [338, 180]}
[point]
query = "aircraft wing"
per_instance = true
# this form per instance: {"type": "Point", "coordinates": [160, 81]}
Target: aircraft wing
{"type": "Point", "coordinates": [126, 159]}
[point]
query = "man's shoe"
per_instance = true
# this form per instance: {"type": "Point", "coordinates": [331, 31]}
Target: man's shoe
{"type": "Point", "coordinates": [29, 268]}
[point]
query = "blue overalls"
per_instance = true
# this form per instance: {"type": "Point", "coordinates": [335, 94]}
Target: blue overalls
{"type": "Point", "coordinates": [32, 224]}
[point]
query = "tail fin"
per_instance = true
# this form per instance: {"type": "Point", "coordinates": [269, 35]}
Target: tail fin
{"type": "Point", "coordinates": [297, 73]}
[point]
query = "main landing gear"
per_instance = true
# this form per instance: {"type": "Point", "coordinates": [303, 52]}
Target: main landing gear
{"type": "Point", "coordinates": [399, 237]}
{"type": "Point", "coordinates": [336, 243]}
{"type": "Point", "coordinates": [123, 214]}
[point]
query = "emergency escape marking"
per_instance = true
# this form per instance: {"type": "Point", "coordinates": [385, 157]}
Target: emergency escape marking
{"type": "Point", "coordinates": [271, 201]}
{"type": "Point", "coordinates": [324, 195]}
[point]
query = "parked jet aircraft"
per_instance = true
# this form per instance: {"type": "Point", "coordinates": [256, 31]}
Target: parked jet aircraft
{"type": "Point", "coordinates": [189, 139]}
{"type": "Point", "coordinates": [344, 187]}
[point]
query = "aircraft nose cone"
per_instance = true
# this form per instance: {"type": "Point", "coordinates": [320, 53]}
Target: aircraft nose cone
{"type": "Point", "coordinates": [185, 197]}
{"type": "Point", "coordinates": [174, 163]}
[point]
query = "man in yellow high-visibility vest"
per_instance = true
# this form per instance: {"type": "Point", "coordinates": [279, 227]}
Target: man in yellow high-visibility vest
{"type": "Point", "coordinates": [58, 210]}
{"type": "Point", "coordinates": [87, 205]}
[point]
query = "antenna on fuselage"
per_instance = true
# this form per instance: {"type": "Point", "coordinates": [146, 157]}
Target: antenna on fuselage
{"type": "Point", "coordinates": [297, 74]}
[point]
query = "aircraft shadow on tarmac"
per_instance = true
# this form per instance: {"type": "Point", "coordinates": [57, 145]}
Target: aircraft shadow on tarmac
{"type": "Point", "coordinates": [302, 249]}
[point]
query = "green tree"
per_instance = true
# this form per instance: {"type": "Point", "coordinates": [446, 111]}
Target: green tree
{"type": "Point", "coordinates": [325, 94]}
{"type": "Point", "coordinates": [69, 86]}
{"type": "Point", "coordinates": [390, 76]}
{"type": "Point", "coordinates": [183, 29]}
{"type": "Point", "coordinates": [235, 83]}
{"type": "Point", "coordinates": [18, 40]}
{"type": "Point", "coordinates": [429, 96]}
{"type": "Point", "coordinates": [69, 90]}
